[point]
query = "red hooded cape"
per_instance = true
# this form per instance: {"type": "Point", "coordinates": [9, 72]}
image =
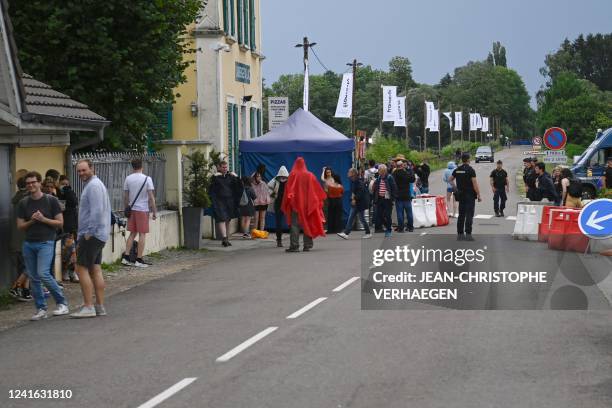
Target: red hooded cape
{"type": "Point", "coordinates": [305, 196]}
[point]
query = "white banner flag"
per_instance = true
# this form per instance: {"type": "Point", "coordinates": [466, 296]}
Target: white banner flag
{"type": "Point", "coordinates": [306, 85]}
{"type": "Point", "coordinates": [485, 124]}
{"type": "Point", "coordinates": [429, 108]}
{"type": "Point", "coordinates": [458, 121]}
{"type": "Point", "coordinates": [389, 96]}
{"type": "Point", "coordinates": [345, 99]}
{"type": "Point", "coordinates": [436, 121]}
{"type": "Point", "coordinates": [450, 119]}
{"type": "Point", "coordinates": [473, 122]}
{"type": "Point", "coordinates": [478, 121]}
{"type": "Point", "coordinates": [400, 112]}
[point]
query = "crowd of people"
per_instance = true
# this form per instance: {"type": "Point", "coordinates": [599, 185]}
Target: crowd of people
{"type": "Point", "coordinates": [560, 188]}
{"type": "Point", "coordinates": [48, 211]}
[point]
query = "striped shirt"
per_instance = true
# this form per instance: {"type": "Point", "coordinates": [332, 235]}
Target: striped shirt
{"type": "Point", "coordinates": [382, 188]}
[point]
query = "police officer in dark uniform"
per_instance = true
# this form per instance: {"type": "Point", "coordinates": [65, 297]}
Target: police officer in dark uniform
{"type": "Point", "coordinates": [530, 177]}
{"type": "Point", "coordinates": [465, 187]}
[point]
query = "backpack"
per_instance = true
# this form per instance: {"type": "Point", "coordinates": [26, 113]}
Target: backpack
{"type": "Point", "coordinates": [575, 189]}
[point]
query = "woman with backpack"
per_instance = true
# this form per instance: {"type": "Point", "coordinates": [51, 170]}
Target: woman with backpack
{"type": "Point", "coordinates": [246, 209]}
{"type": "Point", "coordinates": [572, 189]}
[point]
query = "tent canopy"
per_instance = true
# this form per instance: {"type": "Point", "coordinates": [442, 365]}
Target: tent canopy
{"type": "Point", "coordinates": [301, 132]}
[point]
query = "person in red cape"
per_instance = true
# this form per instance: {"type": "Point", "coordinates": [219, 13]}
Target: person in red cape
{"type": "Point", "coordinates": [303, 206]}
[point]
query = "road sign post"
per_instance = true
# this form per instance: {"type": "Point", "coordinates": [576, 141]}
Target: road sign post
{"type": "Point", "coordinates": [595, 219]}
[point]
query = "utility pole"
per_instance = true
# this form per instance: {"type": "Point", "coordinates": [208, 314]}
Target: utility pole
{"type": "Point", "coordinates": [306, 45]}
{"type": "Point", "coordinates": [354, 64]}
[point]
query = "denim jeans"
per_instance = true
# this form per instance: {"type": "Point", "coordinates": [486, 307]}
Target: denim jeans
{"type": "Point", "coordinates": [37, 257]}
{"type": "Point", "coordinates": [424, 189]}
{"type": "Point", "coordinates": [402, 206]}
{"type": "Point", "coordinates": [351, 219]}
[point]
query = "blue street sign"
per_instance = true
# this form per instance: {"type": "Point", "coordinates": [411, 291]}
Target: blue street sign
{"type": "Point", "coordinates": [595, 219]}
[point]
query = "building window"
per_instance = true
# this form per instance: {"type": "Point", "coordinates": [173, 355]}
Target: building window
{"type": "Point", "coordinates": [247, 21]}
{"type": "Point", "coordinates": [226, 26]}
{"type": "Point", "coordinates": [252, 123]}
{"type": "Point", "coordinates": [240, 22]}
{"type": "Point", "coordinates": [252, 24]}
{"type": "Point", "coordinates": [232, 136]}
{"type": "Point", "coordinates": [232, 16]}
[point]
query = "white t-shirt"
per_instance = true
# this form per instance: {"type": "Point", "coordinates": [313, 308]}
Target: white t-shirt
{"type": "Point", "coordinates": [132, 183]}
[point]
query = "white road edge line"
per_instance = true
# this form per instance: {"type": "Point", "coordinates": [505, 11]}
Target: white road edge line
{"type": "Point", "coordinates": [245, 345]}
{"type": "Point", "coordinates": [345, 284]}
{"type": "Point", "coordinates": [158, 399]}
{"type": "Point", "coordinates": [306, 308]}
{"type": "Point", "coordinates": [423, 233]}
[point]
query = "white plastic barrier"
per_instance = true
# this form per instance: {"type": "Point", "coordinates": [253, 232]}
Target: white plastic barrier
{"type": "Point", "coordinates": [424, 212]}
{"type": "Point", "coordinates": [528, 218]}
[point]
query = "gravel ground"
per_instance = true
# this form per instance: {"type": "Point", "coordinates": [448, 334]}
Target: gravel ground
{"type": "Point", "coordinates": [118, 279]}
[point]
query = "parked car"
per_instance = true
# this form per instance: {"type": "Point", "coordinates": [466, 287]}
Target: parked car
{"type": "Point", "coordinates": [484, 153]}
{"type": "Point", "coordinates": [591, 165]}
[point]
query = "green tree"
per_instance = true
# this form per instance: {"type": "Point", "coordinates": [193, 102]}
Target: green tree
{"type": "Point", "coordinates": [497, 56]}
{"type": "Point", "coordinates": [122, 58]}
{"type": "Point", "coordinates": [588, 58]}
{"type": "Point", "coordinates": [575, 105]}
{"type": "Point", "coordinates": [400, 74]}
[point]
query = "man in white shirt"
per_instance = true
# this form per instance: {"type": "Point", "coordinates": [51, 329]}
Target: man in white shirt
{"type": "Point", "coordinates": [138, 193]}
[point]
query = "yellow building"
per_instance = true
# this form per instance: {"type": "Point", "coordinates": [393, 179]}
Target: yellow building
{"type": "Point", "coordinates": [221, 102]}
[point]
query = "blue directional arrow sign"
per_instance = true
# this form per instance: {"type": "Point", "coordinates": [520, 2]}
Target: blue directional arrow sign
{"type": "Point", "coordinates": [595, 219]}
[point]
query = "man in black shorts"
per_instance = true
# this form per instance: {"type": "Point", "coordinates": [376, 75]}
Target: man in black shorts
{"type": "Point", "coordinates": [94, 230]}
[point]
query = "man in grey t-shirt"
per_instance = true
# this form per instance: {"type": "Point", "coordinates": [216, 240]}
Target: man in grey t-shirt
{"type": "Point", "coordinates": [40, 215]}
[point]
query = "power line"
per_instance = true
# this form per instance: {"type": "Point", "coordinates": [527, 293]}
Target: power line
{"type": "Point", "coordinates": [318, 59]}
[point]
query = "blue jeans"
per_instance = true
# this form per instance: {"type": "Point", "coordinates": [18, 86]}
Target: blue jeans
{"type": "Point", "coordinates": [402, 206]}
{"type": "Point", "coordinates": [424, 189]}
{"type": "Point", "coordinates": [351, 219]}
{"type": "Point", "coordinates": [37, 257]}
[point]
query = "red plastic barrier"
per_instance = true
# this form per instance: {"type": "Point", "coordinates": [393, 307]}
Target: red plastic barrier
{"type": "Point", "coordinates": [575, 240]}
{"type": "Point", "coordinates": [564, 233]}
{"type": "Point", "coordinates": [545, 222]}
{"type": "Point", "coordinates": [441, 212]}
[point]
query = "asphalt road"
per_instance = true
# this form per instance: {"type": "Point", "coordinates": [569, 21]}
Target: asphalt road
{"type": "Point", "coordinates": [220, 336]}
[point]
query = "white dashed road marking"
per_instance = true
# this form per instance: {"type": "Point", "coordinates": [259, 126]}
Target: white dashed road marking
{"type": "Point", "coordinates": [483, 217]}
{"type": "Point", "coordinates": [168, 393]}
{"type": "Point", "coordinates": [345, 284]}
{"type": "Point", "coordinates": [306, 308]}
{"type": "Point", "coordinates": [245, 345]}
{"type": "Point", "coordinates": [423, 233]}
{"type": "Point", "coordinates": [511, 218]}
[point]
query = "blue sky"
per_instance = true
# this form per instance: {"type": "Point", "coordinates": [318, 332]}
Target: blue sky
{"type": "Point", "coordinates": [436, 35]}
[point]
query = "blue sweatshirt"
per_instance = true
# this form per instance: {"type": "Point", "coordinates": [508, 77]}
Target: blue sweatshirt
{"type": "Point", "coordinates": [94, 210]}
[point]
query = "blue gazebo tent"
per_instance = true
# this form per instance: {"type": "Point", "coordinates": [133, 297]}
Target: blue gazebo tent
{"type": "Point", "coordinates": [302, 135]}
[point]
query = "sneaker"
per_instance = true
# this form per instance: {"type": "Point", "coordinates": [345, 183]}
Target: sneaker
{"type": "Point", "coordinates": [246, 236]}
{"type": "Point", "coordinates": [469, 237]}
{"type": "Point", "coordinates": [39, 315]}
{"type": "Point", "coordinates": [306, 249]}
{"type": "Point", "coordinates": [26, 296]}
{"type": "Point", "coordinates": [460, 237]}
{"type": "Point", "coordinates": [15, 293]}
{"type": "Point", "coordinates": [84, 312]}
{"type": "Point", "coordinates": [342, 235]}
{"type": "Point", "coordinates": [367, 236]}
{"type": "Point", "coordinates": [387, 234]}
{"type": "Point", "coordinates": [140, 263]}
{"type": "Point", "coordinates": [65, 277]}
{"type": "Point", "coordinates": [61, 310]}
{"type": "Point", "coordinates": [292, 250]}
{"type": "Point", "coordinates": [279, 243]}
{"type": "Point", "coordinates": [125, 260]}
{"type": "Point", "coordinates": [410, 229]}
{"type": "Point", "coordinates": [100, 310]}
{"type": "Point", "coordinates": [497, 213]}
{"type": "Point", "coordinates": [501, 213]}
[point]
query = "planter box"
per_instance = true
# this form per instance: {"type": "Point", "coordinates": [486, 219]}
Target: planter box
{"type": "Point", "coordinates": [192, 227]}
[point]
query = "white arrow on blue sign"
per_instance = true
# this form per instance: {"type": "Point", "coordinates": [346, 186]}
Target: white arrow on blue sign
{"type": "Point", "coordinates": [595, 219]}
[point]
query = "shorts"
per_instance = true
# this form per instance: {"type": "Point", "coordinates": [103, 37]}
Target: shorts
{"type": "Point", "coordinates": [449, 189]}
{"type": "Point", "coordinates": [89, 252]}
{"type": "Point", "coordinates": [263, 207]}
{"type": "Point", "coordinates": [573, 202]}
{"type": "Point", "coordinates": [138, 222]}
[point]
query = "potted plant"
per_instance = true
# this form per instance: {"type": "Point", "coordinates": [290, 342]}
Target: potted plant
{"type": "Point", "coordinates": [197, 182]}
